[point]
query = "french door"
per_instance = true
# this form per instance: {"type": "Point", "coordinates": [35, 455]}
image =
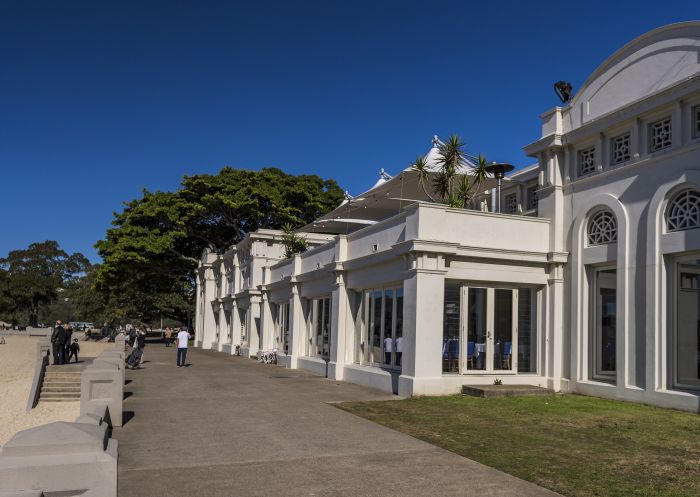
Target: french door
{"type": "Point", "coordinates": [489, 329]}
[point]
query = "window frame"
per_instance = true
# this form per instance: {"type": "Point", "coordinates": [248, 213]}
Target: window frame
{"type": "Point", "coordinates": [613, 140]}
{"type": "Point", "coordinates": [672, 337]}
{"type": "Point", "coordinates": [585, 152]}
{"type": "Point", "coordinates": [650, 133]}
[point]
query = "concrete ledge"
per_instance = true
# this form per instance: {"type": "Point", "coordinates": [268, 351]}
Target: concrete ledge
{"type": "Point", "coordinates": [284, 360]}
{"type": "Point", "coordinates": [60, 457]}
{"type": "Point", "coordinates": [313, 364]}
{"type": "Point", "coordinates": [29, 493]}
{"type": "Point", "coordinates": [368, 376]}
{"type": "Point", "coordinates": [102, 384]}
{"type": "Point", "coordinates": [42, 351]}
{"type": "Point", "coordinates": [487, 391]}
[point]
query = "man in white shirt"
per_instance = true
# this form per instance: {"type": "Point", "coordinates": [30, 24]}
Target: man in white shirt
{"type": "Point", "coordinates": [399, 350]}
{"type": "Point", "coordinates": [387, 350]}
{"type": "Point", "coordinates": [183, 337]}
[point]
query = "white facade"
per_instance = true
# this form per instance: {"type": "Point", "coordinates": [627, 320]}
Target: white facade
{"type": "Point", "coordinates": [587, 282]}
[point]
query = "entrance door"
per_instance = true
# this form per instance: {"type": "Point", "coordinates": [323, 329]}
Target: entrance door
{"type": "Point", "coordinates": [489, 325]}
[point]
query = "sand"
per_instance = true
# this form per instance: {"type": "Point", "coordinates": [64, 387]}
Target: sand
{"type": "Point", "coordinates": [17, 362]}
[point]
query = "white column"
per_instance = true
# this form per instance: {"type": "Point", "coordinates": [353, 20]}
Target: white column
{"type": "Point", "coordinates": [254, 325]}
{"type": "Point", "coordinates": [235, 327]}
{"type": "Point", "coordinates": [199, 317]}
{"type": "Point", "coordinates": [554, 343]}
{"type": "Point", "coordinates": [209, 329]}
{"type": "Point", "coordinates": [424, 300]}
{"type": "Point", "coordinates": [267, 325]}
{"type": "Point", "coordinates": [297, 326]}
{"type": "Point", "coordinates": [340, 314]}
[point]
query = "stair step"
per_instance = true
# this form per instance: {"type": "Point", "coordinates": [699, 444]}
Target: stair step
{"type": "Point", "coordinates": [62, 375]}
{"type": "Point", "coordinates": [52, 389]}
{"type": "Point", "coordinates": [61, 382]}
{"type": "Point", "coordinates": [59, 395]}
{"type": "Point", "coordinates": [77, 399]}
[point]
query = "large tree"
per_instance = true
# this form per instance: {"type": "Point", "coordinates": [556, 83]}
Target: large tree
{"type": "Point", "coordinates": [35, 277]}
{"type": "Point", "coordinates": [153, 248]}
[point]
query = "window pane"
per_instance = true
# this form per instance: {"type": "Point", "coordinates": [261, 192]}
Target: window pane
{"type": "Point", "coordinates": [688, 326]}
{"type": "Point", "coordinates": [376, 326]}
{"type": "Point", "coordinates": [503, 329]}
{"type": "Point", "coordinates": [605, 325]}
{"type": "Point", "coordinates": [476, 331]}
{"type": "Point", "coordinates": [326, 332]}
{"type": "Point", "coordinates": [450, 330]}
{"type": "Point", "coordinates": [399, 326]}
{"type": "Point", "coordinates": [527, 330]}
{"type": "Point", "coordinates": [388, 340]}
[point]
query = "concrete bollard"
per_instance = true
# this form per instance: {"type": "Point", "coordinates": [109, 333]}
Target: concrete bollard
{"type": "Point", "coordinates": [113, 357]}
{"type": "Point", "coordinates": [96, 415]}
{"type": "Point", "coordinates": [102, 383]}
{"type": "Point", "coordinates": [70, 458]}
{"type": "Point", "coordinates": [120, 342]}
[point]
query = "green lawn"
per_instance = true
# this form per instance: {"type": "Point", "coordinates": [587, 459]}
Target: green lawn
{"type": "Point", "coordinates": [574, 445]}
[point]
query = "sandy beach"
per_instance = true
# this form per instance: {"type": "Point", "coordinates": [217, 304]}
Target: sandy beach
{"type": "Point", "coordinates": [17, 362]}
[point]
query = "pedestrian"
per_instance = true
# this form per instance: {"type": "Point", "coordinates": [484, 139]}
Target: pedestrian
{"type": "Point", "coordinates": [74, 349]}
{"type": "Point", "coordinates": [66, 345]}
{"type": "Point", "coordinates": [182, 339]}
{"type": "Point", "coordinates": [168, 336]}
{"type": "Point", "coordinates": [132, 336]}
{"type": "Point", "coordinates": [58, 340]}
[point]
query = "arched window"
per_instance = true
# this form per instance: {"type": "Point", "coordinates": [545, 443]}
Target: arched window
{"type": "Point", "coordinates": [683, 211]}
{"type": "Point", "coordinates": [602, 228]}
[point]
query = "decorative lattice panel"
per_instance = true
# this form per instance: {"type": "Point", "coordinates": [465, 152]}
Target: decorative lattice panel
{"type": "Point", "coordinates": [586, 161]}
{"type": "Point", "coordinates": [602, 228]}
{"type": "Point", "coordinates": [684, 211]}
{"type": "Point", "coordinates": [660, 135]}
{"type": "Point", "coordinates": [620, 149]}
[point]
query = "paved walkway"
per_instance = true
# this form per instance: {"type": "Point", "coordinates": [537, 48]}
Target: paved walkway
{"type": "Point", "coordinates": [228, 426]}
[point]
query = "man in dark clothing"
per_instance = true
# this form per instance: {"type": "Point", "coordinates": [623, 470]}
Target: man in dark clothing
{"type": "Point", "coordinates": [66, 345]}
{"type": "Point", "coordinates": [58, 343]}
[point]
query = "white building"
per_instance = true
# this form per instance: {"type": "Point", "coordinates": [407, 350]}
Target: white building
{"type": "Point", "coordinates": [588, 282]}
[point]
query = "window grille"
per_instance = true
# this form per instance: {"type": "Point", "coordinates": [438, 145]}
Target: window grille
{"type": "Point", "coordinates": [602, 228]}
{"type": "Point", "coordinates": [512, 203]}
{"type": "Point", "coordinates": [696, 121]}
{"type": "Point", "coordinates": [586, 161]}
{"type": "Point", "coordinates": [684, 211]}
{"type": "Point", "coordinates": [532, 197]}
{"type": "Point", "coordinates": [620, 149]}
{"type": "Point", "coordinates": [660, 135]}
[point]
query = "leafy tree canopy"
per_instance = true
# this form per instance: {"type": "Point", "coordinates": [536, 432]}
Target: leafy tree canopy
{"type": "Point", "coordinates": [153, 248]}
{"type": "Point", "coordinates": [34, 277]}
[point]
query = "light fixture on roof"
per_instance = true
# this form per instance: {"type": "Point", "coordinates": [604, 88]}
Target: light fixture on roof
{"type": "Point", "coordinates": [498, 170]}
{"type": "Point", "coordinates": [564, 91]}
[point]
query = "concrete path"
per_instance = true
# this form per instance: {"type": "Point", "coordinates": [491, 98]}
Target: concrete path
{"type": "Point", "coordinates": [228, 426]}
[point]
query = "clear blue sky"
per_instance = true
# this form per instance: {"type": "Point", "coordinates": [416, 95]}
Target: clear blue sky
{"type": "Point", "coordinates": [101, 99]}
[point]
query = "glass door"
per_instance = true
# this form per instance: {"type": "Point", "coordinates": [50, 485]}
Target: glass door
{"type": "Point", "coordinates": [490, 329]}
{"type": "Point", "coordinates": [604, 341]}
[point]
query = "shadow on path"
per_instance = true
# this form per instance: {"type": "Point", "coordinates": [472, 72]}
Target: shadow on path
{"type": "Point", "coordinates": [229, 426]}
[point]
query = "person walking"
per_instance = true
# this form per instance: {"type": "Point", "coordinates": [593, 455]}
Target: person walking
{"type": "Point", "coordinates": [58, 341]}
{"type": "Point", "coordinates": [168, 336]}
{"type": "Point", "coordinates": [183, 337]}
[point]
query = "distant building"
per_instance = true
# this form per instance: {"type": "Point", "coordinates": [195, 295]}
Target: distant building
{"type": "Point", "coordinates": [588, 281]}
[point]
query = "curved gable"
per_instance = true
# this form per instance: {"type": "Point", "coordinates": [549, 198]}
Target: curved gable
{"type": "Point", "coordinates": [653, 62]}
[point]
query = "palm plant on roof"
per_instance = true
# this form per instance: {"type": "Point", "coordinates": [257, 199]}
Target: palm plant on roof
{"type": "Point", "coordinates": [421, 167]}
{"type": "Point", "coordinates": [448, 184]}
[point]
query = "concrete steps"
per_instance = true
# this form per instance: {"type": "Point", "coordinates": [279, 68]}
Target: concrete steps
{"type": "Point", "coordinates": [486, 391]}
{"type": "Point", "coordinates": [61, 383]}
